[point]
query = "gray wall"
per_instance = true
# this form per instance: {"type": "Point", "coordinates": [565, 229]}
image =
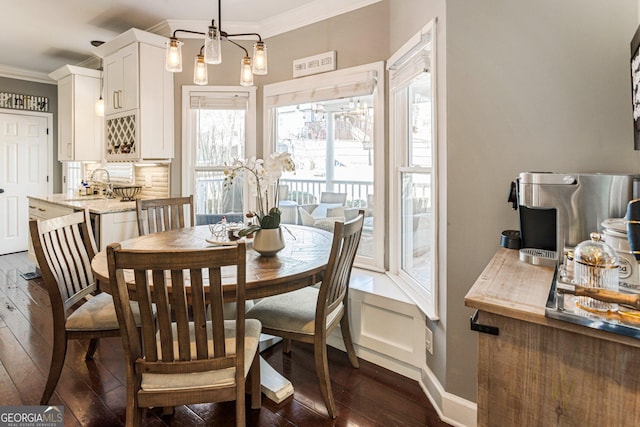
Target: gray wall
{"type": "Point", "coordinates": [50, 91]}
{"type": "Point", "coordinates": [538, 85]}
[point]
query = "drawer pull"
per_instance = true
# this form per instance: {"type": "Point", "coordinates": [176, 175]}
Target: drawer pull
{"type": "Point", "coordinates": [42, 210]}
{"type": "Point", "coordinates": [479, 327]}
{"type": "Point", "coordinates": [31, 207]}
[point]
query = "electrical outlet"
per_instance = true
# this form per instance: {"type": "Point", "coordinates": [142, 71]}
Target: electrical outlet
{"type": "Point", "coordinates": [147, 181]}
{"type": "Point", "coordinates": [428, 340]}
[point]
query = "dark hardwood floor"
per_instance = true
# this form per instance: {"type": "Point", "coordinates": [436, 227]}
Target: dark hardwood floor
{"type": "Point", "coordinates": [93, 392]}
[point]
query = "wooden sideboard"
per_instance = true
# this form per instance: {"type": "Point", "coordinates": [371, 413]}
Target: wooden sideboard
{"type": "Point", "coordinates": [540, 371]}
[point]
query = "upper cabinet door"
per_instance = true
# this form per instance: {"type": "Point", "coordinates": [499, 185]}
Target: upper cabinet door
{"type": "Point", "coordinates": [80, 129]}
{"type": "Point", "coordinates": [121, 80]}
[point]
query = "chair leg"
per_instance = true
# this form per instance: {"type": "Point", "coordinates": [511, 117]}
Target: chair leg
{"type": "Point", "coordinates": [322, 368]}
{"type": "Point", "coordinates": [348, 342]}
{"type": "Point", "coordinates": [133, 416]}
{"type": "Point", "coordinates": [133, 413]}
{"type": "Point", "coordinates": [240, 405]}
{"type": "Point", "coordinates": [286, 345]}
{"type": "Point", "coordinates": [254, 383]}
{"type": "Point", "coordinates": [93, 345]}
{"type": "Point", "coordinates": [57, 362]}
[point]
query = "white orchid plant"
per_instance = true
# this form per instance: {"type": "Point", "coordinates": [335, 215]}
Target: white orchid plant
{"type": "Point", "coordinates": [264, 177]}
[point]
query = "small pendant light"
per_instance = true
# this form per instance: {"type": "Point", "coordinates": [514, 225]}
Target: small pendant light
{"type": "Point", "coordinates": [259, 58]}
{"type": "Point", "coordinates": [200, 71]}
{"type": "Point", "coordinates": [212, 51]}
{"type": "Point", "coordinates": [173, 61]}
{"type": "Point", "coordinates": [246, 74]}
{"type": "Point", "coordinates": [99, 107]}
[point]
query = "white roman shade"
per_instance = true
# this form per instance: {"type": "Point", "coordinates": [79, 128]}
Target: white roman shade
{"type": "Point", "coordinates": [357, 84]}
{"type": "Point", "coordinates": [413, 58]}
{"type": "Point", "coordinates": [219, 101]}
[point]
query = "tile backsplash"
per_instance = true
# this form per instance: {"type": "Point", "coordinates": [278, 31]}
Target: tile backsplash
{"type": "Point", "coordinates": [153, 179]}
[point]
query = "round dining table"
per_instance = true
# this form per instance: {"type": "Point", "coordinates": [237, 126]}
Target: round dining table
{"type": "Point", "coordinates": [301, 263]}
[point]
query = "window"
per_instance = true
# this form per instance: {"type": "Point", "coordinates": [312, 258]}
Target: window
{"type": "Point", "coordinates": [413, 213]}
{"type": "Point", "coordinates": [217, 123]}
{"type": "Point", "coordinates": [332, 124]}
{"type": "Point", "coordinates": [72, 176]}
{"type": "Point", "coordinates": [74, 173]}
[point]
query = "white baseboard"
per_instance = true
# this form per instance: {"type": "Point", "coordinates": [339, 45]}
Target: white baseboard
{"type": "Point", "coordinates": [379, 309]}
{"type": "Point", "coordinates": [451, 409]}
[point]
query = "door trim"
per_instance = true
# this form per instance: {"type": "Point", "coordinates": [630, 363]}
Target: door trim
{"type": "Point", "coordinates": [49, 117]}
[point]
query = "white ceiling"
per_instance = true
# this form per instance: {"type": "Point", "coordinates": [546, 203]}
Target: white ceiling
{"type": "Point", "coordinates": [40, 36]}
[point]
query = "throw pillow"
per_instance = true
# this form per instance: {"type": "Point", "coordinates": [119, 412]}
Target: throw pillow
{"type": "Point", "coordinates": [328, 224]}
{"type": "Point", "coordinates": [321, 210]}
{"type": "Point", "coordinates": [336, 212]}
{"type": "Point", "coordinates": [305, 217]}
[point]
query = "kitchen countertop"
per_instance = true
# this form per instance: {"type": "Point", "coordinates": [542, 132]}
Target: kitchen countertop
{"type": "Point", "coordinates": [518, 290]}
{"type": "Point", "coordinates": [96, 204]}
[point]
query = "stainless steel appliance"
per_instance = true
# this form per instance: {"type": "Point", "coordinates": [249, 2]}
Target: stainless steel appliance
{"type": "Point", "coordinates": [560, 210]}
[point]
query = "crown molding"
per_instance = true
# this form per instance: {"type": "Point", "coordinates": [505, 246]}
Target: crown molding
{"type": "Point", "coordinates": [167, 28]}
{"type": "Point", "coordinates": [298, 17]}
{"type": "Point", "coordinates": [308, 14]}
{"type": "Point", "coordinates": [130, 36]}
{"type": "Point", "coordinates": [67, 70]}
{"type": "Point", "coordinates": [21, 74]}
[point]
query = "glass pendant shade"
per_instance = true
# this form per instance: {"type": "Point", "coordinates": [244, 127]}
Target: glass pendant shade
{"type": "Point", "coordinates": [259, 58]}
{"type": "Point", "coordinates": [173, 61]}
{"type": "Point", "coordinates": [212, 51]}
{"type": "Point", "coordinates": [246, 74]}
{"type": "Point", "coordinates": [200, 71]}
{"type": "Point", "coordinates": [99, 107]}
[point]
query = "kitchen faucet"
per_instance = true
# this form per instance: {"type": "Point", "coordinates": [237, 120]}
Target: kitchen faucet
{"type": "Point", "coordinates": [108, 190]}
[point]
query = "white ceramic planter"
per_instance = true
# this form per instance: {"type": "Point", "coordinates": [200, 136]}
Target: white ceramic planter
{"type": "Point", "coordinates": [268, 242]}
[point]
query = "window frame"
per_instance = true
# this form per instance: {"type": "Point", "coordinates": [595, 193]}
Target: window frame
{"type": "Point", "coordinates": [188, 145]}
{"type": "Point", "coordinates": [403, 66]}
{"type": "Point", "coordinates": [336, 82]}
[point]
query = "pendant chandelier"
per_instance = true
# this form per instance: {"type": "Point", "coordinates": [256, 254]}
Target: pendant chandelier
{"type": "Point", "coordinates": [210, 53]}
{"type": "Point", "coordinates": [99, 105]}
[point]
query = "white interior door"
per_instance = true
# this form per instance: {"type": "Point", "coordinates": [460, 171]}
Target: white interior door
{"type": "Point", "coordinates": [24, 170]}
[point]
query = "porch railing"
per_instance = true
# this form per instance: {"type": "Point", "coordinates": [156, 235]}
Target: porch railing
{"type": "Point", "coordinates": [210, 193]}
{"type": "Point", "coordinates": [307, 191]}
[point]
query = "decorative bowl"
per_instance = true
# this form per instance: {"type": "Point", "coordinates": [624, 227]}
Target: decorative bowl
{"type": "Point", "coordinates": [127, 193]}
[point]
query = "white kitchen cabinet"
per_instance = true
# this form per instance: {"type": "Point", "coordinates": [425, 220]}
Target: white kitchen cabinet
{"type": "Point", "coordinates": [121, 80]}
{"type": "Point", "coordinates": [116, 227]}
{"type": "Point", "coordinates": [139, 98]}
{"type": "Point", "coordinates": [39, 209]}
{"type": "Point", "coordinates": [80, 129]}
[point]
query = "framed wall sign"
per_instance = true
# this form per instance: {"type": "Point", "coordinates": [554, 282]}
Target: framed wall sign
{"type": "Point", "coordinates": [315, 64]}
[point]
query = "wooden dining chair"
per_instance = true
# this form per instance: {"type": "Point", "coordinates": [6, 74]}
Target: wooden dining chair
{"type": "Point", "coordinates": [191, 358]}
{"type": "Point", "coordinates": [164, 214]}
{"type": "Point", "coordinates": [310, 314]}
{"type": "Point", "coordinates": [64, 247]}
